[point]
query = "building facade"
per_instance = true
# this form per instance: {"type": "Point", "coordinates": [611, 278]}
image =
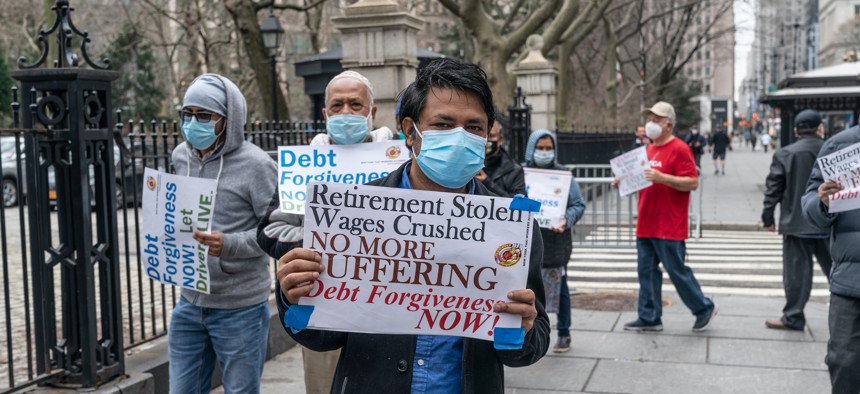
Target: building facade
{"type": "Point", "coordinates": [840, 31]}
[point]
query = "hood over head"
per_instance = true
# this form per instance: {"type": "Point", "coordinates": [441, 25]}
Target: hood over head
{"type": "Point", "coordinates": [533, 139]}
{"type": "Point", "coordinates": [218, 94]}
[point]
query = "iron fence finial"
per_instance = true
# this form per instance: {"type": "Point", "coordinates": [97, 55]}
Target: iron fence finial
{"type": "Point", "coordinates": [65, 31]}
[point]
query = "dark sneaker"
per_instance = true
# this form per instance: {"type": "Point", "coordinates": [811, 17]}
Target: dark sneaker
{"type": "Point", "coordinates": [703, 322]}
{"type": "Point", "coordinates": [723, 172]}
{"type": "Point", "coordinates": [778, 324]}
{"type": "Point", "coordinates": [562, 345]}
{"type": "Point", "coordinates": [640, 325]}
{"type": "Point", "coordinates": [717, 172]}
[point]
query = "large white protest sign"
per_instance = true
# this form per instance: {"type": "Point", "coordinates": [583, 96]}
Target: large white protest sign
{"type": "Point", "coordinates": [551, 188]}
{"type": "Point", "coordinates": [402, 261]}
{"type": "Point", "coordinates": [843, 167]}
{"type": "Point", "coordinates": [174, 206]}
{"type": "Point", "coordinates": [354, 164]}
{"type": "Point", "coordinates": [630, 169]}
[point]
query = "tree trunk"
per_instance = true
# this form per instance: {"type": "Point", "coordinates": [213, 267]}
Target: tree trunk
{"type": "Point", "coordinates": [245, 16]}
{"type": "Point", "coordinates": [502, 83]}
{"type": "Point", "coordinates": [564, 111]}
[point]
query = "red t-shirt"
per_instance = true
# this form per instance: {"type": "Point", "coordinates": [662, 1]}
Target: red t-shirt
{"type": "Point", "coordinates": [662, 209]}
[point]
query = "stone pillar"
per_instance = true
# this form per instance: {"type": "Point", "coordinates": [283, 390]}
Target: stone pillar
{"type": "Point", "coordinates": [379, 41]}
{"type": "Point", "coordinates": [537, 78]}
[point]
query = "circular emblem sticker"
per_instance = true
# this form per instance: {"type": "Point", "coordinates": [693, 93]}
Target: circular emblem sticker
{"type": "Point", "coordinates": [150, 183]}
{"type": "Point", "coordinates": [508, 255]}
{"type": "Point", "coordinates": [392, 152]}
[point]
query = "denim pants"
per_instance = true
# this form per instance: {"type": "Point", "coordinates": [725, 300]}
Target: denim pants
{"type": "Point", "coordinates": [563, 325]}
{"type": "Point", "coordinates": [651, 252]}
{"type": "Point", "coordinates": [843, 348]}
{"type": "Point", "coordinates": [797, 270]}
{"type": "Point", "coordinates": [237, 338]}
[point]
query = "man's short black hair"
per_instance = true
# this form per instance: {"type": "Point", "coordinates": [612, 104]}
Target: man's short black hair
{"type": "Point", "coordinates": [446, 73]}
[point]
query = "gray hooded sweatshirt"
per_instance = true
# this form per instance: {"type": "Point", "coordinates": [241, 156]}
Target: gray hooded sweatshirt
{"type": "Point", "coordinates": [240, 276]}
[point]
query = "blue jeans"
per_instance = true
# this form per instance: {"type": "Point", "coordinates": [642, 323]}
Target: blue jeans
{"type": "Point", "coordinates": [237, 338]}
{"type": "Point", "coordinates": [672, 253]}
{"type": "Point", "coordinates": [563, 325]}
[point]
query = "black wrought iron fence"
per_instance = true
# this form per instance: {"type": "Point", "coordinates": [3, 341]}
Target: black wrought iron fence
{"type": "Point", "coordinates": [146, 305]}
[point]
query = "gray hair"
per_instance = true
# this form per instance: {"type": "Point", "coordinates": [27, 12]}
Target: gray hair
{"type": "Point", "coordinates": [352, 75]}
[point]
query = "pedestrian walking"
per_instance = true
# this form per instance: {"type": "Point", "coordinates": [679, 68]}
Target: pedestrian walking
{"type": "Point", "coordinates": [541, 152]}
{"type": "Point", "coordinates": [843, 348]}
{"type": "Point", "coordinates": [349, 113]}
{"type": "Point", "coordinates": [661, 227]}
{"type": "Point", "coordinates": [786, 184]}
{"type": "Point", "coordinates": [697, 145]}
{"type": "Point", "coordinates": [765, 141]}
{"type": "Point", "coordinates": [720, 142]}
{"type": "Point", "coordinates": [229, 325]}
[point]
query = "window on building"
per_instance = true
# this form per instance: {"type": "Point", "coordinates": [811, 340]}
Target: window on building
{"type": "Point", "coordinates": [707, 88]}
{"type": "Point", "coordinates": [856, 10]}
{"type": "Point", "coordinates": [698, 54]}
{"type": "Point", "coordinates": [708, 71]}
{"type": "Point", "coordinates": [707, 54]}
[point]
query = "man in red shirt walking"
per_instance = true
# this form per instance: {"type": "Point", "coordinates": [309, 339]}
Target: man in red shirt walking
{"type": "Point", "coordinates": [661, 228]}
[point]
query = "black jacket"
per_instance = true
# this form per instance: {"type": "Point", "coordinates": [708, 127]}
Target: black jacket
{"type": "Point", "coordinates": [720, 141]}
{"type": "Point", "coordinates": [844, 227]}
{"type": "Point", "coordinates": [786, 184]}
{"type": "Point", "coordinates": [377, 363]}
{"type": "Point", "coordinates": [505, 177]}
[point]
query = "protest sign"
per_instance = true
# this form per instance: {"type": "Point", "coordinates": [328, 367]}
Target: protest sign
{"type": "Point", "coordinates": [354, 164]}
{"type": "Point", "coordinates": [402, 261]}
{"type": "Point", "coordinates": [551, 188]}
{"type": "Point", "coordinates": [843, 167]}
{"type": "Point", "coordinates": [630, 168]}
{"type": "Point", "coordinates": [174, 206]}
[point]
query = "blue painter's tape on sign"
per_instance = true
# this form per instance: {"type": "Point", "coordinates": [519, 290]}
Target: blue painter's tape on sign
{"type": "Point", "coordinates": [521, 203]}
{"type": "Point", "coordinates": [297, 317]}
{"type": "Point", "coordinates": [508, 338]}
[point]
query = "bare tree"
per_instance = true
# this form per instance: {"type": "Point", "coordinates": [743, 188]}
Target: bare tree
{"type": "Point", "coordinates": [499, 32]}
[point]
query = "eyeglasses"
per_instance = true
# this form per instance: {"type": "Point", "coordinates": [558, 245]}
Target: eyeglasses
{"type": "Point", "coordinates": [202, 117]}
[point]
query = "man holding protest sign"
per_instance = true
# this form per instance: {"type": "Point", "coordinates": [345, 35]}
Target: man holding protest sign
{"type": "Point", "coordinates": [835, 179]}
{"type": "Point", "coordinates": [231, 323]}
{"type": "Point", "coordinates": [786, 184]}
{"type": "Point", "coordinates": [349, 115]}
{"type": "Point", "coordinates": [557, 237]}
{"type": "Point", "coordinates": [446, 121]}
{"type": "Point", "coordinates": [661, 226]}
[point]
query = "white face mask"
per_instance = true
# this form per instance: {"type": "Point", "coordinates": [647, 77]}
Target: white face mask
{"type": "Point", "coordinates": [653, 130]}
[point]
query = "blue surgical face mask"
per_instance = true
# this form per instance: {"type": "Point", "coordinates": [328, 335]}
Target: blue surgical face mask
{"type": "Point", "coordinates": [544, 157]}
{"type": "Point", "coordinates": [200, 135]}
{"type": "Point", "coordinates": [450, 158]}
{"type": "Point", "coordinates": [348, 129]}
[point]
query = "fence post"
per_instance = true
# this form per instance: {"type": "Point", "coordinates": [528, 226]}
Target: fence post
{"type": "Point", "coordinates": [69, 134]}
{"type": "Point", "coordinates": [520, 120]}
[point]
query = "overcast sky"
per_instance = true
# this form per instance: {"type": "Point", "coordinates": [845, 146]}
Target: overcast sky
{"type": "Point", "coordinates": [745, 22]}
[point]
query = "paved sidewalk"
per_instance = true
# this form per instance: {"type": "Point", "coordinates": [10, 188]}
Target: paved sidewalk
{"type": "Point", "coordinates": [735, 199]}
{"type": "Point", "coordinates": [737, 355]}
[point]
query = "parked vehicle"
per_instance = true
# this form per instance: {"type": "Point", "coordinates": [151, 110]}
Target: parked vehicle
{"type": "Point", "coordinates": [9, 180]}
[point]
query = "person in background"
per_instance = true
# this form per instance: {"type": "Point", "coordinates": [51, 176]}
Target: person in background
{"type": "Point", "coordinates": [558, 240]}
{"type": "Point", "coordinates": [765, 141]}
{"type": "Point", "coordinates": [641, 139]}
{"type": "Point", "coordinates": [720, 142]}
{"type": "Point", "coordinates": [349, 114]}
{"type": "Point", "coordinates": [697, 145]}
{"type": "Point", "coordinates": [501, 174]}
{"type": "Point", "coordinates": [786, 184]}
{"type": "Point", "coordinates": [229, 325]}
{"type": "Point", "coordinates": [662, 226]}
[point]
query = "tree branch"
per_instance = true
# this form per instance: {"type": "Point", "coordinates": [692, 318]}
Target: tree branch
{"type": "Point", "coordinates": [517, 38]}
{"type": "Point", "coordinates": [452, 6]}
{"type": "Point", "coordinates": [510, 19]}
{"type": "Point", "coordinates": [562, 22]}
{"type": "Point", "coordinates": [286, 6]}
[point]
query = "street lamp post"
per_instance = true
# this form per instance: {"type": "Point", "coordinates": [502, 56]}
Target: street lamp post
{"type": "Point", "coordinates": [272, 31]}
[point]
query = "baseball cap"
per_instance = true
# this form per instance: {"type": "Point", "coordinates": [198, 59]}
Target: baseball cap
{"type": "Point", "coordinates": [807, 119]}
{"type": "Point", "coordinates": [662, 109]}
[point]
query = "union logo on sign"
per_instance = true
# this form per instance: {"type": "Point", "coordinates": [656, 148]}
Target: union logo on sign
{"type": "Point", "coordinates": [508, 255]}
{"type": "Point", "coordinates": [392, 152]}
{"type": "Point", "coordinates": [150, 183]}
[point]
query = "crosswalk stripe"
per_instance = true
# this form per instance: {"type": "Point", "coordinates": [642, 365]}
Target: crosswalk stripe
{"type": "Point", "coordinates": [724, 262]}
